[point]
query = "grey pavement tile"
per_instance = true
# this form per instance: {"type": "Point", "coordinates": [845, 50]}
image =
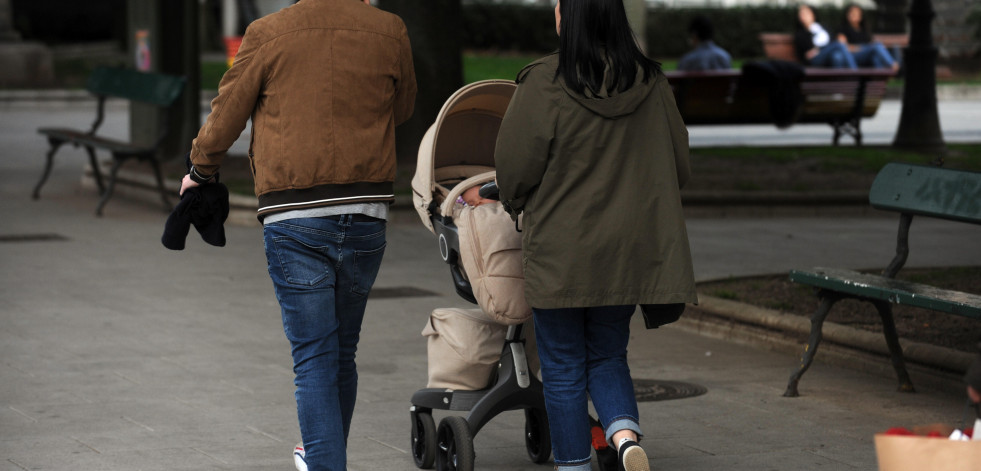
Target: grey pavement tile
{"type": "Point", "coordinates": [176, 459]}
{"type": "Point", "coordinates": [49, 452]}
{"type": "Point", "coordinates": [779, 460]}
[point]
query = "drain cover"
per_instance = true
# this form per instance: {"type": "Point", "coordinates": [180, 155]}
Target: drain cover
{"type": "Point", "coordinates": [400, 292]}
{"type": "Point", "coordinates": [649, 390]}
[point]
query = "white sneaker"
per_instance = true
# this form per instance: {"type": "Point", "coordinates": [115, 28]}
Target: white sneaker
{"type": "Point", "coordinates": [298, 457]}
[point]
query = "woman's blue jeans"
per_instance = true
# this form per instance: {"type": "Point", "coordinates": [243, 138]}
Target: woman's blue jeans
{"type": "Point", "coordinates": [835, 55]}
{"type": "Point", "coordinates": [322, 270]}
{"type": "Point", "coordinates": [584, 350]}
{"type": "Point", "coordinates": [873, 55]}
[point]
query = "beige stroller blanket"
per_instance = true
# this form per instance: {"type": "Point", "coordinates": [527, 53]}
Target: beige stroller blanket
{"type": "Point", "coordinates": [490, 251]}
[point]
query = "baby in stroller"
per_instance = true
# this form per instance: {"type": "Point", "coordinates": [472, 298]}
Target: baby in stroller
{"type": "Point", "coordinates": [471, 197]}
{"type": "Point", "coordinates": [480, 360]}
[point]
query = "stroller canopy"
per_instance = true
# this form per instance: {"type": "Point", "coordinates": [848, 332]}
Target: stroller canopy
{"type": "Point", "coordinates": [460, 143]}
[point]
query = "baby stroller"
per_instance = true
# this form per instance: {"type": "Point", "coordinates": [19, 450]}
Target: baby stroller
{"type": "Point", "coordinates": [457, 153]}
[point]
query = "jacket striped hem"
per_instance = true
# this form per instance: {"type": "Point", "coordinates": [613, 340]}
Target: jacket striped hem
{"type": "Point", "coordinates": [324, 195]}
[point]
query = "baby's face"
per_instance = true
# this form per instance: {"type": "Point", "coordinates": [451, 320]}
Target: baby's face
{"type": "Point", "coordinates": [472, 197]}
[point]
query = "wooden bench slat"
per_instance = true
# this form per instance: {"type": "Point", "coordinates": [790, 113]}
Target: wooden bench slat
{"type": "Point", "coordinates": [82, 138]}
{"type": "Point", "coordinates": [828, 96]}
{"type": "Point", "coordinates": [157, 89]}
{"type": "Point", "coordinates": [928, 190]}
{"type": "Point", "coordinates": [781, 45]}
{"type": "Point", "coordinates": [891, 290]}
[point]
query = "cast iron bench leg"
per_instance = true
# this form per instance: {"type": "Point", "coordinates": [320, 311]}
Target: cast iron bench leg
{"type": "Point", "coordinates": [858, 131]}
{"type": "Point", "coordinates": [116, 163]}
{"type": "Point", "coordinates": [55, 144]}
{"type": "Point", "coordinates": [828, 299]}
{"type": "Point", "coordinates": [895, 350]}
{"type": "Point", "coordinates": [96, 171]}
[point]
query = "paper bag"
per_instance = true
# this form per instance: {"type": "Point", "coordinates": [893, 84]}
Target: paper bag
{"type": "Point", "coordinates": [921, 453]}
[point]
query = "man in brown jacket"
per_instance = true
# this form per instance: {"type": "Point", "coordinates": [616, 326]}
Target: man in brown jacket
{"type": "Point", "coordinates": [325, 82]}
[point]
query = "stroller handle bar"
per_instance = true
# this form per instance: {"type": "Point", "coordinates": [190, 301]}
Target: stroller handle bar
{"type": "Point", "coordinates": [490, 191]}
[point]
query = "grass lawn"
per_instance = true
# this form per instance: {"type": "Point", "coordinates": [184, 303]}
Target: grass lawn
{"type": "Point", "coordinates": [795, 169]}
{"type": "Point", "coordinates": [846, 158]}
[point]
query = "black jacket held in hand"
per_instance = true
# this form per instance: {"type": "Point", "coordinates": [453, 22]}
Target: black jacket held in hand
{"type": "Point", "coordinates": [206, 208]}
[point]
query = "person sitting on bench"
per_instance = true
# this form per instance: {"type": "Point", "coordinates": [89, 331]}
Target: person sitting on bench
{"type": "Point", "coordinates": [705, 55]}
{"type": "Point", "coordinates": [814, 46]}
{"type": "Point", "coordinates": [854, 34]}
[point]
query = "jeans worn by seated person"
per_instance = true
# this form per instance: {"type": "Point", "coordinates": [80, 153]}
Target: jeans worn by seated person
{"type": "Point", "coordinates": [873, 55]}
{"type": "Point", "coordinates": [322, 270]}
{"type": "Point", "coordinates": [835, 55]}
{"type": "Point", "coordinates": [584, 350]}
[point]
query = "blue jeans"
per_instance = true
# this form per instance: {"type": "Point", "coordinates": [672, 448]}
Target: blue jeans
{"type": "Point", "coordinates": [873, 55]}
{"type": "Point", "coordinates": [584, 350]}
{"type": "Point", "coordinates": [835, 55]}
{"type": "Point", "coordinates": [322, 270]}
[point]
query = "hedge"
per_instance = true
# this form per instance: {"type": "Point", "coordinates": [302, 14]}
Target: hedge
{"type": "Point", "coordinates": [532, 28]}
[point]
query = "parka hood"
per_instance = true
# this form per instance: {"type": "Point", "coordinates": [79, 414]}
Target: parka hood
{"type": "Point", "coordinates": [608, 106]}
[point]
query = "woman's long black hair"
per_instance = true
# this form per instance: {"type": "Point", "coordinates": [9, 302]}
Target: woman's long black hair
{"type": "Point", "coordinates": [594, 35]}
{"type": "Point", "coordinates": [845, 25]}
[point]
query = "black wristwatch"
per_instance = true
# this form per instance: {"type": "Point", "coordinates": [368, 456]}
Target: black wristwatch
{"type": "Point", "coordinates": [196, 176]}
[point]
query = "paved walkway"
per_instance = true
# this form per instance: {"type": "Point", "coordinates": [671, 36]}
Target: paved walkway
{"type": "Point", "coordinates": [117, 354]}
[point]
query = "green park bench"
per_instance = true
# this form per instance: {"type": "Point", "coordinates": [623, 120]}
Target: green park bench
{"type": "Point", "coordinates": [840, 98]}
{"type": "Point", "coordinates": [909, 190]}
{"type": "Point", "coordinates": [155, 89]}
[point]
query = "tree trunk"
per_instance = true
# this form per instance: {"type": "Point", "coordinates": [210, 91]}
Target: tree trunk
{"type": "Point", "coordinates": [435, 32]}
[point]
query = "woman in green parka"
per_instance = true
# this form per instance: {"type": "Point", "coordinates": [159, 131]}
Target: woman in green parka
{"type": "Point", "coordinates": [593, 152]}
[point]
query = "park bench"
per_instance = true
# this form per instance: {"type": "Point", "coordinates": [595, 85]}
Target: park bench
{"type": "Point", "coordinates": [837, 97]}
{"type": "Point", "coordinates": [909, 190]}
{"type": "Point", "coordinates": [780, 46]}
{"type": "Point", "coordinates": [155, 89]}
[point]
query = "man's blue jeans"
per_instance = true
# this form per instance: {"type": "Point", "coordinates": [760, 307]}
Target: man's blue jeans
{"type": "Point", "coordinates": [322, 270]}
{"type": "Point", "coordinates": [584, 350]}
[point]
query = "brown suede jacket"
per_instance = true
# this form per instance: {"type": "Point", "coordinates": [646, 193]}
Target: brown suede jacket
{"type": "Point", "coordinates": [325, 83]}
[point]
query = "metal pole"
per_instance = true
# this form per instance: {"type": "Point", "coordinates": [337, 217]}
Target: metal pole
{"type": "Point", "coordinates": [919, 121]}
{"type": "Point", "coordinates": [229, 18]}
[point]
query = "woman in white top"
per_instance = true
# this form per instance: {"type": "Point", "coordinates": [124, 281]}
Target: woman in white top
{"type": "Point", "coordinates": [814, 46]}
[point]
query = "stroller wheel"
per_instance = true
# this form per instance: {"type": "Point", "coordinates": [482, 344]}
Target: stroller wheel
{"type": "Point", "coordinates": [455, 445]}
{"type": "Point", "coordinates": [423, 439]}
{"type": "Point", "coordinates": [607, 459]}
{"type": "Point", "coordinates": [538, 439]}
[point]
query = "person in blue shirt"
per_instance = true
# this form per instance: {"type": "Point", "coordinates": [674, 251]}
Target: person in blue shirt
{"type": "Point", "coordinates": [706, 55]}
